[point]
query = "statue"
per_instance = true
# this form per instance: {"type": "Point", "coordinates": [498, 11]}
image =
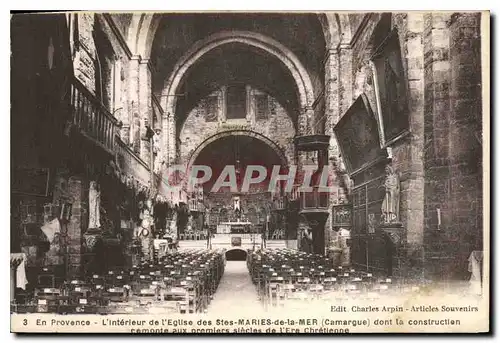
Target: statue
{"type": "Point", "coordinates": [94, 206]}
{"type": "Point", "coordinates": [307, 241]}
{"type": "Point", "coordinates": [156, 141]}
{"type": "Point", "coordinates": [157, 165]}
{"type": "Point", "coordinates": [144, 231]}
{"type": "Point", "coordinates": [390, 205]}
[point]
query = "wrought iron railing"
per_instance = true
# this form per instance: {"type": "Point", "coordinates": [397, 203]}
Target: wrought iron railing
{"type": "Point", "coordinates": [91, 117]}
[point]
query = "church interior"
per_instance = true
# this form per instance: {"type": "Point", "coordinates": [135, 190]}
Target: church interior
{"type": "Point", "coordinates": [105, 105]}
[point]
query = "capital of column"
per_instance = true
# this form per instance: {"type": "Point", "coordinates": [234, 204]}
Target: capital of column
{"type": "Point", "coordinates": [344, 47]}
{"type": "Point", "coordinates": [332, 52]}
{"type": "Point", "coordinates": [147, 63]}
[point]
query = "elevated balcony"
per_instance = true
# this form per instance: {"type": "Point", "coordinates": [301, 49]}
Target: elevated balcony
{"type": "Point", "coordinates": [312, 201]}
{"type": "Point", "coordinates": [196, 206]}
{"type": "Point", "coordinates": [312, 142]}
{"type": "Point", "coordinates": [279, 204]}
{"type": "Point", "coordinates": [91, 118]}
{"type": "Point", "coordinates": [131, 163]}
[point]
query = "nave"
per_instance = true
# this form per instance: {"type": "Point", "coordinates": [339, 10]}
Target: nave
{"type": "Point", "coordinates": [204, 281]}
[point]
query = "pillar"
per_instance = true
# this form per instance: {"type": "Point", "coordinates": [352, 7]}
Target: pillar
{"type": "Point", "coordinates": [412, 184]}
{"type": "Point", "coordinates": [133, 104]}
{"type": "Point", "coordinates": [332, 118]}
{"type": "Point", "coordinates": [465, 138]}
{"type": "Point", "coordinates": [145, 109]}
{"type": "Point", "coordinates": [437, 76]}
{"type": "Point", "coordinates": [15, 261]}
{"type": "Point", "coordinates": [302, 159]}
{"type": "Point", "coordinates": [74, 228]}
{"type": "Point", "coordinates": [171, 138]}
{"type": "Point", "coordinates": [345, 95]}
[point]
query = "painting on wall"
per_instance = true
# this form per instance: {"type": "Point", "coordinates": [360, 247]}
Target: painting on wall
{"type": "Point", "coordinates": [358, 135]}
{"type": "Point", "coordinates": [31, 181]}
{"type": "Point", "coordinates": [391, 90]}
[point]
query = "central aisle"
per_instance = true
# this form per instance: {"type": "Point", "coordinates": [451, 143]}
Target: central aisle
{"type": "Point", "coordinates": [236, 293]}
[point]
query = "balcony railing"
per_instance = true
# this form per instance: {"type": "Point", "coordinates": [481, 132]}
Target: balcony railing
{"type": "Point", "coordinates": [91, 117]}
{"type": "Point", "coordinates": [131, 163]}
{"type": "Point", "coordinates": [196, 206]}
{"type": "Point", "coordinates": [314, 200]}
{"type": "Point", "coordinates": [279, 203]}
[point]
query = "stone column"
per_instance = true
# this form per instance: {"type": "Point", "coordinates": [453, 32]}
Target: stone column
{"type": "Point", "coordinates": [343, 95]}
{"type": "Point", "coordinates": [133, 104]}
{"type": "Point", "coordinates": [250, 119]}
{"type": "Point", "coordinates": [412, 187]}
{"type": "Point", "coordinates": [304, 129]}
{"type": "Point", "coordinates": [345, 75]}
{"type": "Point", "coordinates": [172, 138]}
{"type": "Point", "coordinates": [222, 105]}
{"type": "Point", "coordinates": [437, 76]}
{"type": "Point", "coordinates": [15, 261]}
{"type": "Point", "coordinates": [168, 130]}
{"type": "Point", "coordinates": [145, 109]}
{"type": "Point", "coordinates": [74, 228]}
{"type": "Point", "coordinates": [303, 159]}
{"type": "Point", "coordinates": [465, 138]}
{"type": "Point", "coordinates": [332, 117]}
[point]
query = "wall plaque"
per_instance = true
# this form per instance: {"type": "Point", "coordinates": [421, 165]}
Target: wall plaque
{"type": "Point", "coordinates": [342, 215]}
{"type": "Point", "coordinates": [31, 181]}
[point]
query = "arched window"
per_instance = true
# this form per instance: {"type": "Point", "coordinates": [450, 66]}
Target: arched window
{"type": "Point", "coordinates": [236, 101]}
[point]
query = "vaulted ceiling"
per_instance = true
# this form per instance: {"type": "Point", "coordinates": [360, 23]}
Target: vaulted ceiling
{"type": "Point", "coordinates": [300, 33]}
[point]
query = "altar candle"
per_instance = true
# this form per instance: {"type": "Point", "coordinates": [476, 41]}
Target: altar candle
{"type": "Point", "coordinates": [438, 210]}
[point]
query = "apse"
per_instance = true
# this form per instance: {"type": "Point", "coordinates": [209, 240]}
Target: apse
{"type": "Point", "coordinates": [239, 151]}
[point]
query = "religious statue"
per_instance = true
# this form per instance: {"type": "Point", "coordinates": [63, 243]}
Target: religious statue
{"type": "Point", "coordinates": [157, 166]}
{"type": "Point", "coordinates": [344, 237]}
{"type": "Point", "coordinates": [307, 241]}
{"type": "Point", "coordinates": [156, 141]}
{"type": "Point", "coordinates": [236, 203]}
{"type": "Point", "coordinates": [390, 205]}
{"type": "Point", "coordinates": [143, 232]}
{"type": "Point", "coordinates": [94, 205]}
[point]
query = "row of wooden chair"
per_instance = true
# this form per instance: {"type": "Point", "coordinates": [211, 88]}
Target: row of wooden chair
{"type": "Point", "coordinates": [180, 282]}
{"type": "Point", "coordinates": [284, 275]}
{"type": "Point", "coordinates": [196, 236]}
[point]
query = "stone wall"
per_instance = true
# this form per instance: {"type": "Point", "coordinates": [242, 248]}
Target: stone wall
{"type": "Point", "coordinates": [439, 160]}
{"type": "Point", "coordinates": [85, 51]}
{"type": "Point", "coordinates": [453, 139]}
{"type": "Point", "coordinates": [196, 129]}
{"type": "Point", "coordinates": [423, 157]}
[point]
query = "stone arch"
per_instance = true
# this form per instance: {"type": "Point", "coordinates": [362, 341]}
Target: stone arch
{"type": "Point", "coordinates": [344, 28]}
{"type": "Point", "coordinates": [279, 152]}
{"type": "Point", "coordinates": [141, 33]}
{"type": "Point", "coordinates": [236, 252]}
{"type": "Point", "coordinates": [256, 40]}
{"type": "Point", "coordinates": [331, 29]}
